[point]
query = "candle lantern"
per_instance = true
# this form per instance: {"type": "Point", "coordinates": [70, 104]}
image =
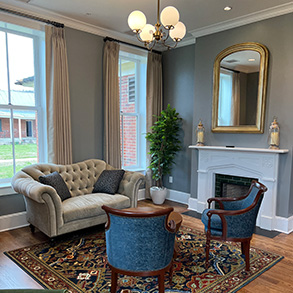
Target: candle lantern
{"type": "Point", "coordinates": [200, 134]}
{"type": "Point", "coordinates": [274, 137]}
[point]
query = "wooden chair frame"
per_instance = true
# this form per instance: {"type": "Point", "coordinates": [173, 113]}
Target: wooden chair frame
{"type": "Point", "coordinates": [245, 242]}
{"type": "Point", "coordinates": [169, 225]}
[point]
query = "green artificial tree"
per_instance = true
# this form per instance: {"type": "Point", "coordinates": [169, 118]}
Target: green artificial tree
{"type": "Point", "coordinates": [164, 143]}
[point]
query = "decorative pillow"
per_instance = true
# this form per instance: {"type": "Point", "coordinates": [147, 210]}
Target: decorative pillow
{"type": "Point", "coordinates": [55, 180]}
{"type": "Point", "coordinates": [108, 181]}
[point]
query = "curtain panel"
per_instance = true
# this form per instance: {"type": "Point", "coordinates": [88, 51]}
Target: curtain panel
{"type": "Point", "coordinates": [112, 144]}
{"type": "Point", "coordinates": [154, 102]}
{"type": "Point", "coordinates": [58, 99]}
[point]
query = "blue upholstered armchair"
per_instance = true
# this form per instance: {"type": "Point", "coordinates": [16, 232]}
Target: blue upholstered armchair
{"type": "Point", "coordinates": [139, 243]}
{"type": "Point", "coordinates": [235, 220]}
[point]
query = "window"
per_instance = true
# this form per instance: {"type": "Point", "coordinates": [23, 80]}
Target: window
{"type": "Point", "coordinates": [29, 129]}
{"type": "Point", "coordinates": [0, 125]}
{"type": "Point", "coordinates": [132, 90]}
{"type": "Point", "coordinates": [225, 98]}
{"type": "Point", "coordinates": [22, 99]}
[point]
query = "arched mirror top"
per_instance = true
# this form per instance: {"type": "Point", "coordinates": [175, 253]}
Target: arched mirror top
{"type": "Point", "coordinates": [240, 79]}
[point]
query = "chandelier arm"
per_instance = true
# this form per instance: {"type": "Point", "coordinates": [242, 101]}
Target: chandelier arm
{"type": "Point", "coordinates": [151, 47]}
{"type": "Point", "coordinates": [170, 47]}
{"type": "Point", "coordinates": [138, 37]}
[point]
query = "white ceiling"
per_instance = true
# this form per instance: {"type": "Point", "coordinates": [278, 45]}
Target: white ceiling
{"type": "Point", "coordinates": [109, 17]}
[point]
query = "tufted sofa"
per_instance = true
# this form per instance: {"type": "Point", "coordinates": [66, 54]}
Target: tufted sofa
{"type": "Point", "coordinates": [54, 217]}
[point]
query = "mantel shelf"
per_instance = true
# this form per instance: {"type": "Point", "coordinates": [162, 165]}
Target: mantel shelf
{"type": "Point", "coordinates": [239, 149]}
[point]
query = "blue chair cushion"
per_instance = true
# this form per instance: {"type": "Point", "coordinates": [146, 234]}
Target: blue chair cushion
{"type": "Point", "coordinates": [216, 222]}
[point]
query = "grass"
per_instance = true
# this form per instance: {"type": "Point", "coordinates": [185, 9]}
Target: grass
{"type": "Point", "coordinates": [7, 171]}
{"type": "Point", "coordinates": [25, 154]}
{"type": "Point", "coordinates": [22, 151]}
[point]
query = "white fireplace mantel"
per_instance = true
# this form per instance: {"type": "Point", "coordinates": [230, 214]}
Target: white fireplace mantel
{"type": "Point", "coordinates": [243, 162]}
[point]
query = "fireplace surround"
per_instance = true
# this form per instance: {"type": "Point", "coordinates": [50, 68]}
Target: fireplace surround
{"type": "Point", "coordinates": [258, 163]}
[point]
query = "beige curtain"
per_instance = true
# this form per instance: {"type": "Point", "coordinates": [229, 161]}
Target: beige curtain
{"type": "Point", "coordinates": [58, 100]}
{"type": "Point", "coordinates": [112, 148]}
{"type": "Point", "coordinates": [235, 109]}
{"type": "Point", "coordinates": [154, 101]}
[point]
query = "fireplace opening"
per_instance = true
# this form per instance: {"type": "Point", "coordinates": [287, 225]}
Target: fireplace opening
{"type": "Point", "coordinates": [231, 186]}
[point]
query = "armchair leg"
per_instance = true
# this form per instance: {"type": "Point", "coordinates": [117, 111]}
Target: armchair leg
{"type": "Point", "coordinates": [161, 282]}
{"type": "Point", "coordinates": [32, 227]}
{"type": "Point", "coordinates": [171, 273]}
{"type": "Point", "coordinates": [114, 277]}
{"type": "Point", "coordinates": [245, 248]}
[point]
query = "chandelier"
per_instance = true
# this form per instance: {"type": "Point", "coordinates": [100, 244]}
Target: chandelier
{"type": "Point", "coordinates": [168, 25]}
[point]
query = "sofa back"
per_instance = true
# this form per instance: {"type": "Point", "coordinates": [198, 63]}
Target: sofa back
{"type": "Point", "coordinates": [79, 177]}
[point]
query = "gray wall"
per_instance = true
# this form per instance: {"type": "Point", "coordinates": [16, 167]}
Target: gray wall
{"type": "Point", "coordinates": [276, 35]}
{"type": "Point", "coordinates": [178, 91]}
{"type": "Point", "coordinates": [85, 53]}
{"type": "Point", "coordinates": [85, 57]}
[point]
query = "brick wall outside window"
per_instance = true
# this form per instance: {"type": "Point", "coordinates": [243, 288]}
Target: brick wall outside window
{"type": "Point", "coordinates": [128, 138]}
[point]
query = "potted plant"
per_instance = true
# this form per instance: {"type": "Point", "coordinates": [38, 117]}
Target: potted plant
{"type": "Point", "coordinates": [164, 144]}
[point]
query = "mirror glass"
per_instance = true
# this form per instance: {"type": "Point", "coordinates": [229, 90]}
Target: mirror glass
{"type": "Point", "coordinates": [240, 74]}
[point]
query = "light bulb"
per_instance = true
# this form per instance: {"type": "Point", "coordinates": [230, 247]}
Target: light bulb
{"type": "Point", "coordinates": [178, 32]}
{"type": "Point", "coordinates": [147, 33]}
{"type": "Point", "coordinates": [169, 16]}
{"type": "Point", "coordinates": [136, 20]}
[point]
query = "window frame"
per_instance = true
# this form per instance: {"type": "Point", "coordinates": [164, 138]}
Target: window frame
{"type": "Point", "coordinates": [38, 38]}
{"type": "Point", "coordinates": [140, 58]}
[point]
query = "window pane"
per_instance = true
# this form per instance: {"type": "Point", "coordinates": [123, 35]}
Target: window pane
{"type": "Point", "coordinates": [6, 154]}
{"type": "Point", "coordinates": [21, 70]}
{"type": "Point", "coordinates": [127, 86]}
{"type": "Point", "coordinates": [26, 148]}
{"type": "Point", "coordinates": [129, 141]}
{"type": "Point", "coordinates": [3, 71]}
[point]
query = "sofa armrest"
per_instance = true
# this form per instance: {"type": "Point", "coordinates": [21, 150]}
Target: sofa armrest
{"type": "Point", "coordinates": [130, 184]}
{"type": "Point", "coordinates": [26, 185]}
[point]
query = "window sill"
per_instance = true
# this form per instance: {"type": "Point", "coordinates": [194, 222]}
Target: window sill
{"type": "Point", "coordinates": [6, 189]}
{"type": "Point", "coordinates": [140, 170]}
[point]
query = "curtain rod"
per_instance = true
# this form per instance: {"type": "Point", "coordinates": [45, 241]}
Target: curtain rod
{"type": "Point", "coordinates": [57, 24]}
{"type": "Point", "coordinates": [229, 69]}
{"type": "Point", "coordinates": [122, 42]}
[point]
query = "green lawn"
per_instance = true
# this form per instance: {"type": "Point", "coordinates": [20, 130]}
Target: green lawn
{"type": "Point", "coordinates": [7, 171]}
{"type": "Point", "coordinates": [22, 151]}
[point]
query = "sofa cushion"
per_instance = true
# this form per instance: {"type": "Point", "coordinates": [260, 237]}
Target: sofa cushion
{"type": "Point", "coordinates": [90, 205]}
{"type": "Point", "coordinates": [108, 181]}
{"type": "Point", "coordinates": [55, 180]}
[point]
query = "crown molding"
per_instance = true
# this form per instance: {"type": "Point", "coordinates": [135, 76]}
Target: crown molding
{"type": "Point", "coordinates": [187, 41]}
{"type": "Point", "coordinates": [67, 21]}
{"type": "Point", "coordinates": [243, 20]}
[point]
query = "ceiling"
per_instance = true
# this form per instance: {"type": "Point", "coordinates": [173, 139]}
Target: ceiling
{"type": "Point", "coordinates": [109, 17]}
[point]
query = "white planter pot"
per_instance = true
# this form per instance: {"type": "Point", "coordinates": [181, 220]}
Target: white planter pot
{"type": "Point", "coordinates": [158, 194]}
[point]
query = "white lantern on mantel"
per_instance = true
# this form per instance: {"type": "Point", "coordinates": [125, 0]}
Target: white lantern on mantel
{"type": "Point", "coordinates": [274, 137]}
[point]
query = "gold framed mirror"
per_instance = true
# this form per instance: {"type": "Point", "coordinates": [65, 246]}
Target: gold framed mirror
{"type": "Point", "coordinates": [239, 90]}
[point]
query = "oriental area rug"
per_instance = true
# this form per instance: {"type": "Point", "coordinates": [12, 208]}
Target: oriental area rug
{"type": "Point", "coordinates": [80, 265]}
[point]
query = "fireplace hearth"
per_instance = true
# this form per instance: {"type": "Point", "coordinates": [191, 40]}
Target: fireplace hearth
{"type": "Point", "coordinates": [231, 186]}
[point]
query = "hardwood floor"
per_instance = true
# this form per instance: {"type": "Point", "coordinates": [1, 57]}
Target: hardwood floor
{"type": "Point", "coordinates": [277, 279]}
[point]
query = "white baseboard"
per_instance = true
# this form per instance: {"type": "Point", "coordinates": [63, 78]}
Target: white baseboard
{"type": "Point", "coordinates": [178, 196]}
{"type": "Point", "coordinates": [284, 225]}
{"type": "Point", "coordinates": [173, 195]}
{"type": "Point", "coordinates": [13, 221]}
